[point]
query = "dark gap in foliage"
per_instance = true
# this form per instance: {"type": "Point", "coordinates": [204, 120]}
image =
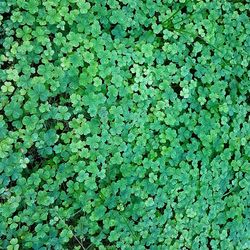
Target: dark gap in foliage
{"type": "Point", "coordinates": [189, 47]}
{"type": "Point", "coordinates": [112, 27]}
{"type": "Point", "coordinates": [198, 55]}
{"type": "Point", "coordinates": [209, 243]}
{"type": "Point", "coordinates": [185, 248]}
{"type": "Point", "coordinates": [74, 242]}
{"type": "Point", "coordinates": [9, 124]}
{"type": "Point", "coordinates": [32, 228]}
{"type": "Point", "coordinates": [105, 25]}
{"type": "Point", "coordinates": [35, 161]}
{"type": "Point", "coordinates": [177, 89]}
{"type": "Point", "coordinates": [69, 177]}
{"type": "Point", "coordinates": [3, 198]}
{"type": "Point", "coordinates": [178, 236]}
{"type": "Point", "coordinates": [162, 209]}
{"type": "Point", "coordinates": [200, 40]}
{"type": "Point", "coordinates": [7, 15]}
{"type": "Point", "coordinates": [22, 207]}
{"type": "Point", "coordinates": [160, 38]}
{"type": "Point", "coordinates": [199, 167]}
{"type": "Point", "coordinates": [184, 10]}
{"type": "Point", "coordinates": [66, 29]}
{"type": "Point", "coordinates": [157, 14]}
{"type": "Point", "coordinates": [166, 62]}
{"type": "Point", "coordinates": [107, 243]}
{"type": "Point", "coordinates": [16, 39]}
{"type": "Point", "coordinates": [228, 92]}
{"type": "Point", "coordinates": [238, 1]}
{"type": "Point", "coordinates": [146, 28]}
{"type": "Point", "coordinates": [175, 200]}
{"type": "Point", "coordinates": [113, 173]}
{"type": "Point", "coordinates": [63, 187]}
{"type": "Point", "coordinates": [247, 114]}
{"type": "Point", "coordinates": [135, 219]}
{"type": "Point", "coordinates": [195, 136]}
{"type": "Point", "coordinates": [1, 47]}
{"type": "Point", "coordinates": [60, 99]}
{"type": "Point", "coordinates": [64, 99]}
{"type": "Point", "coordinates": [34, 64]}
{"type": "Point", "coordinates": [50, 123]}
{"type": "Point", "coordinates": [100, 224]}
{"type": "Point", "coordinates": [232, 157]}
{"type": "Point", "coordinates": [129, 31]}
{"type": "Point", "coordinates": [193, 72]}
{"type": "Point", "coordinates": [248, 103]}
{"type": "Point", "coordinates": [226, 145]}
{"type": "Point", "coordinates": [230, 219]}
{"type": "Point", "coordinates": [107, 6]}
{"type": "Point", "coordinates": [66, 127]}
{"type": "Point", "coordinates": [73, 221]}
{"type": "Point", "coordinates": [7, 64]}
{"type": "Point", "coordinates": [72, 6]}
{"type": "Point", "coordinates": [230, 181]}
{"type": "Point", "coordinates": [33, 154]}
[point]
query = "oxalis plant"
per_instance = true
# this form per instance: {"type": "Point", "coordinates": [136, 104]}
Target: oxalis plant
{"type": "Point", "coordinates": [124, 124]}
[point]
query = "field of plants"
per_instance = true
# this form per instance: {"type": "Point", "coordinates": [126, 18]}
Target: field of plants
{"type": "Point", "coordinates": [124, 124]}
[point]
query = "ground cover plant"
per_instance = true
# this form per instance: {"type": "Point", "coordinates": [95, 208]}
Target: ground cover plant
{"type": "Point", "coordinates": [124, 124]}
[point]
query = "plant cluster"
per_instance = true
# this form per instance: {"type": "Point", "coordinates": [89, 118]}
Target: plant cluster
{"type": "Point", "coordinates": [124, 124]}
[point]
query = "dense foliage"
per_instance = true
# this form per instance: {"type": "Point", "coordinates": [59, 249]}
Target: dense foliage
{"type": "Point", "coordinates": [124, 124]}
